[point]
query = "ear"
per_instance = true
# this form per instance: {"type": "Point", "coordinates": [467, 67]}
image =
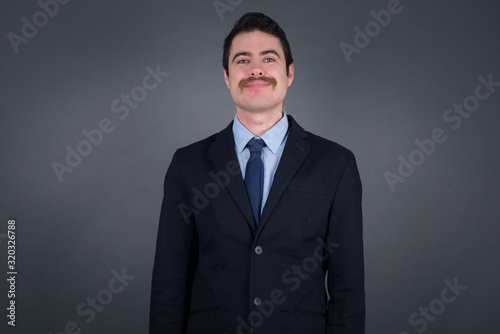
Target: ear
{"type": "Point", "coordinates": [291, 74]}
{"type": "Point", "coordinates": [226, 77]}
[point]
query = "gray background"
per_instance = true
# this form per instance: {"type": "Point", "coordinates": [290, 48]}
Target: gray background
{"type": "Point", "coordinates": [440, 224]}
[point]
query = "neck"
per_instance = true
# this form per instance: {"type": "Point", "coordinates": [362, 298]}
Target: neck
{"type": "Point", "coordinates": [259, 122]}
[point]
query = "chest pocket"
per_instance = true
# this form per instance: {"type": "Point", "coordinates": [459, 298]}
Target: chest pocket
{"type": "Point", "coordinates": [307, 187]}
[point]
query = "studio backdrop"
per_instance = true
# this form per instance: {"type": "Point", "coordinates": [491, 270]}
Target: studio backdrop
{"type": "Point", "coordinates": [96, 96]}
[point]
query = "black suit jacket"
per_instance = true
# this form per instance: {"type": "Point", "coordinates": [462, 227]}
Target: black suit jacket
{"type": "Point", "coordinates": [215, 272]}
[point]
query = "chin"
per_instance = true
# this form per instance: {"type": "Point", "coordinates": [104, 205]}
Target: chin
{"type": "Point", "coordinates": [257, 106]}
{"type": "Point", "coordinates": [260, 105]}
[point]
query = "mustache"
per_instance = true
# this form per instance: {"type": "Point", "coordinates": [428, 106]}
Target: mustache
{"type": "Point", "coordinates": [245, 81]}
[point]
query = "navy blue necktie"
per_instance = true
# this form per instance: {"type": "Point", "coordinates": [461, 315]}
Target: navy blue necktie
{"type": "Point", "coordinates": [254, 176]}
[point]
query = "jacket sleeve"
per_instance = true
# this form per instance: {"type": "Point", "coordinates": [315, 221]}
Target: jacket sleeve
{"type": "Point", "coordinates": [346, 306]}
{"type": "Point", "coordinates": [174, 258]}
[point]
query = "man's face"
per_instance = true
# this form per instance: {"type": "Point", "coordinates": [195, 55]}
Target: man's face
{"type": "Point", "coordinates": [257, 55]}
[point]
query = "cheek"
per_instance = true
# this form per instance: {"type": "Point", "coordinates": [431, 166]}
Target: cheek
{"type": "Point", "coordinates": [233, 81]}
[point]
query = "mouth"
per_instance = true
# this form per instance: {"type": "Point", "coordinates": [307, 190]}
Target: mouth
{"type": "Point", "coordinates": [257, 83]}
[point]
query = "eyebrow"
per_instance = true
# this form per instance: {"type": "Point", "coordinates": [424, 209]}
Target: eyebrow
{"type": "Point", "coordinates": [245, 53]}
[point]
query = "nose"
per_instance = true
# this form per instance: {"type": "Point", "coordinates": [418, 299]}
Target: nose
{"type": "Point", "coordinates": [257, 72]}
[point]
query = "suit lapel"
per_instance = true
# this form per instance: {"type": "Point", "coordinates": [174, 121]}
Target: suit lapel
{"type": "Point", "coordinates": [296, 150]}
{"type": "Point", "coordinates": [221, 152]}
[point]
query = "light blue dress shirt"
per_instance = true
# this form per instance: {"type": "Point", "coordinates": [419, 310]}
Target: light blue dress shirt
{"type": "Point", "coordinates": [275, 139]}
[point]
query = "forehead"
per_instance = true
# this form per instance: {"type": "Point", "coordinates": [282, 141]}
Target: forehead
{"type": "Point", "coordinates": [255, 42]}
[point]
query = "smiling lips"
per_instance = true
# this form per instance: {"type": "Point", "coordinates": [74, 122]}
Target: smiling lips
{"type": "Point", "coordinates": [257, 82]}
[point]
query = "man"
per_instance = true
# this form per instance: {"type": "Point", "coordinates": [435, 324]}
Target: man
{"type": "Point", "coordinates": [256, 216]}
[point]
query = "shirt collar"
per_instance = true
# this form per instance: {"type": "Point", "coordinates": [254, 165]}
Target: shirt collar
{"type": "Point", "coordinates": [272, 137]}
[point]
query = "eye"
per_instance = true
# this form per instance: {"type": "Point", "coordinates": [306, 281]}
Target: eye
{"type": "Point", "coordinates": [242, 61]}
{"type": "Point", "coordinates": [269, 60]}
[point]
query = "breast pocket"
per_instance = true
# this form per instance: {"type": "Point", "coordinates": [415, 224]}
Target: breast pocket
{"type": "Point", "coordinates": [303, 211]}
{"type": "Point", "coordinates": [307, 187]}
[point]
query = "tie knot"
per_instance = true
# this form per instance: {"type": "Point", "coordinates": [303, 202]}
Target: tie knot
{"type": "Point", "coordinates": [255, 145]}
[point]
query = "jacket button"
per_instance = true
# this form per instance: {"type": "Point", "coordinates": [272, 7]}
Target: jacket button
{"type": "Point", "coordinates": [258, 250]}
{"type": "Point", "coordinates": [257, 301]}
